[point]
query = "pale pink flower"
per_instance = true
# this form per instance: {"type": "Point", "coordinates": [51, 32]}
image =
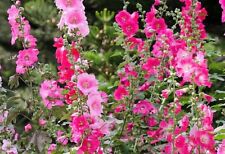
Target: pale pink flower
{"type": "Point", "coordinates": [3, 116]}
{"type": "Point", "coordinates": [61, 138]}
{"type": "Point", "coordinates": [28, 127]}
{"type": "Point", "coordinates": [67, 4]}
{"type": "Point", "coordinates": [221, 149]}
{"type": "Point", "coordinates": [94, 103]}
{"type": "Point", "coordinates": [74, 18]}
{"type": "Point", "coordinates": [87, 83]}
{"type": "Point", "coordinates": [51, 94]}
{"type": "Point", "coordinates": [8, 147]}
{"type": "Point", "coordinates": [101, 125]}
{"type": "Point", "coordinates": [42, 122]}
{"type": "Point", "coordinates": [51, 148]}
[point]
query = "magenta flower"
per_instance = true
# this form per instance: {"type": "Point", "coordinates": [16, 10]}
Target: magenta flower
{"type": "Point", "coordinates": [28, 127]}
{"type": "Point", "coordinates": [120, 93]}
{"type": "Point", "coordinates": [25, 59]}
{"type": "Point", "coordinates": [222, 3]}
{"type": "Point", "coordinates": [144, 108]}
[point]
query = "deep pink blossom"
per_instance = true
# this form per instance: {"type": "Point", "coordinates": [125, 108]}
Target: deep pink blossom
{"type": "Point", "coordinates": [144, 108]}
{"type": "Point", "coordinates": [120, 93]}
{"type": "Point", "coordinates": [28, 127]}
{"type": "Point", "coordinates": [25, 59]}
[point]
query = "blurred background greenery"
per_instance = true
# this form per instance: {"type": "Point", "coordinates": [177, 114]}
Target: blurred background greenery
{"type": "Point", "coordinates": [100, 46]}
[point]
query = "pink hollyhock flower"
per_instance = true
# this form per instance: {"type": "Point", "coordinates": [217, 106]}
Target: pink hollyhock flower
{"type": "Point", "coordinates": [128, 22]}
{"type": "Point", "coordinates": [157, 2]}
{"type": "Point", "coordinates": [120, 108]}
{"type": "Point", "coordinates": [222, 3]}
{"type": "Point", "coordinates": [42, 122]}
{"type": "Point", "coordinates": [221, 149]}
{"type": "Point", "coordinates": [136, 43]}
{"type": "Point", "coordinates": [25, 59]}
{"type": "Point", "coordinates": [51, 94]}
{"type": "Point", "coordinates": [28, 127]}
{"type": "Point", "coordinates": [180, 141]}
{"type": "Point", "coordinates": [104, 96]}
{"type": "Point", "coordinates": [30, 41]}
{"type": "Point", "coordinates": [101, 125]}
{"type": "Point", "coordinates": [207, 115]}
{"type": "Point", "coordinates": [94, 103]}
{"type": "Point", "coordinates": [90, 144]}
{"type": "Point", "coordinates": [159, 25]}
{"type": "Point", "coordinates": [165, 93]}
{"type": "Point", "coordinates": [9, 148]}
{"type": "Point", "coordinates": [130, 126]}
{"type": "Point", "coordinates": [144, 108]}
{"type": "Point", "coordinates": [184, 123]}
{"type": "Point", "coordinates": [145, 86]}
{"type": "Point", "coordinates": [185, 68]}
{"type": "Point", "coordinates": [150, 16]}
{"type": "Point", "coordinates": [205, 139]}
{"type": "Point", "coordinates": [13, 14]}
{"type": "Point", "coordinates": [123, 17]}
{"type": "Point", "coordinates": [202, 77]}
{"type": "Point", "coordinates": [51, 148]}
{"type": "Point", "coordinates": [87, 83]}
{"type": "Point", "coordinates": [208, 98]}
{"type": "Point", "coordinates": [79, 124]}
{"type": "Point", "coordinates": [60, 138]}
{"type": "Point", "coordinates": [73, 18]}
{"type": "Point", "coordinates": [3, 116]}
{"type": "Point", "coordinates": [151, 122]}
{"type": "Point", "coordinates": [151, 63]}
{"type": "Point", "coordinates": [68, 4]}
{"type": "Point", "coordinates": [130, 28]}
{"type": "Point", "coordinates": [120, 93]}
{"type": "Point", "coordinates": [180, 92]}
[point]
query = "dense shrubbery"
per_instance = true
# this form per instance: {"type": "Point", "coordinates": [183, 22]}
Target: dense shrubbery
{"type": "Point", "coordinates": [139, 85]}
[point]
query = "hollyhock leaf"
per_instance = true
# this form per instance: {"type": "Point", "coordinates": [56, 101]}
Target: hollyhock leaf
{"type": "Point", "coordinates": [220, 91]}
{"type": "Point", "coordinates": [13, 81]}
{"type": "Point", "coordinates": [59, 111]}
{"type": "Point", "coordinates": [220, 136]}
{"type": "Point", "coordinates": [220, 129]}
{"type": "Point", "coordinates": [13, 113]}
{"type": "Point", "coordinates": [116, 54]}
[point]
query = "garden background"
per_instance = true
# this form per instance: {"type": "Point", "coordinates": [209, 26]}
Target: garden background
{"type": "Point", "coordinates": [103, 52]}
